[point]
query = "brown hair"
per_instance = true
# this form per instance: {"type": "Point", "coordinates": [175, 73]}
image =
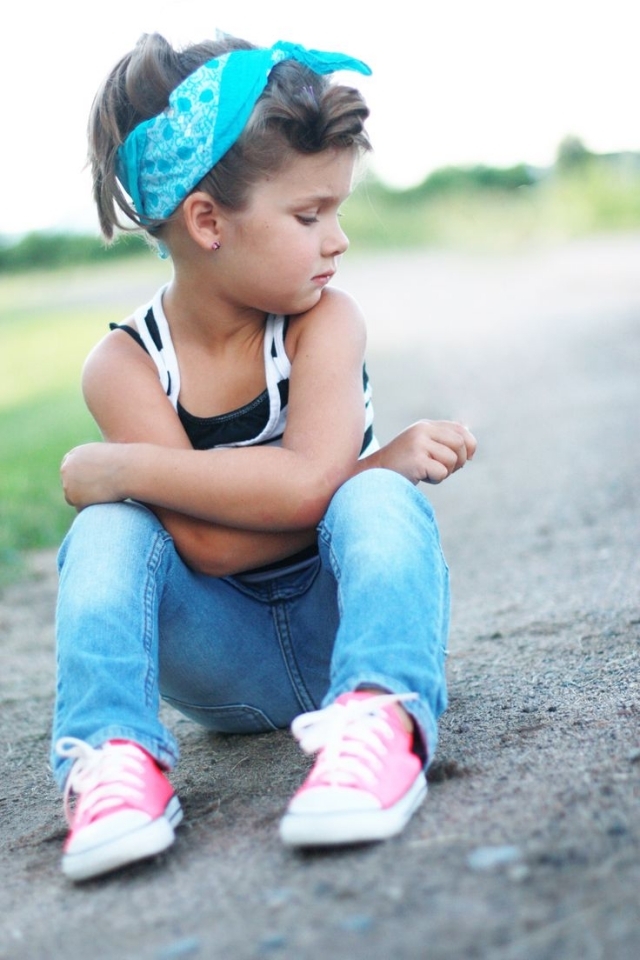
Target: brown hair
{"type": "Point", "coordinates": [299, 111]}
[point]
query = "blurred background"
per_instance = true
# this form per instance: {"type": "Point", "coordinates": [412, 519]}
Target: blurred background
{"type": "Point", "coordinates": [500, 130]}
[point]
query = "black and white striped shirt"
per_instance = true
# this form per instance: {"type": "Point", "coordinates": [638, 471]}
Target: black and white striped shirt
{"type": "Point", "coordinates": [263, 420]}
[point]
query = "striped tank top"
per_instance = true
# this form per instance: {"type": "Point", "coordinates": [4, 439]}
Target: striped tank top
{"type": "Point", "coordinates": [263, 420]}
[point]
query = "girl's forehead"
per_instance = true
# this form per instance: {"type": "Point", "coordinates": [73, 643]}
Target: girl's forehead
{"type": "Point", "coordinates": [322, 175]}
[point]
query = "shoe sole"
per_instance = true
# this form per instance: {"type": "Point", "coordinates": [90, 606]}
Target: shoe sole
{"type": "Point", "coordinates": [146, 842]}
{"type": "Point", "coordinates": [353, 826]}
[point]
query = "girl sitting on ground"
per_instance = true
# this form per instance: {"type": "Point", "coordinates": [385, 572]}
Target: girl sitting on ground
{"type": "Point", "coordinates": [243, 548]}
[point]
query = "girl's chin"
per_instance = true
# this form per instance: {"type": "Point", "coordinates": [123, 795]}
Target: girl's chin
{"type": "Point", "coordinates": [299, 304]}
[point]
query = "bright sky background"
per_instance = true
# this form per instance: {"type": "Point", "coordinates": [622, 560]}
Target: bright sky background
{"type": "Point", "coordinates": [455, 81]}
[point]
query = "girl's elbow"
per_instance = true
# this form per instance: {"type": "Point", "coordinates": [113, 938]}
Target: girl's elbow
{"type": "Point", "coordinates": [313, 499]}
{"type": "Point", "coordinates": [308, 513]}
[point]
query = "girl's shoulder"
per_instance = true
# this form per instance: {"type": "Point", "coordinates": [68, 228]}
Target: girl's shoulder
{"type": "Point", "coordinates": [116, 358]}
{"type": "Point", "coordinates": [336, 316]}
{"type": "Point", "coordinates": [127, 339]}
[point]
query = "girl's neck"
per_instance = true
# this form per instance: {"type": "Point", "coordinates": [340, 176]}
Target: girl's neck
{"type": "Point", "coordinates": [199, 315]}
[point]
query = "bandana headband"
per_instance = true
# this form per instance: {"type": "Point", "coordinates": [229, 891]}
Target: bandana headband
{"type": "Point", "coordinates": [163, 158]}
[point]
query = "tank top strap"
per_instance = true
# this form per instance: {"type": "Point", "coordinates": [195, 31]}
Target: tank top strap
{"type": "Point", "coordinates": [276, 332]}
{"type": "Point", "coordinates": [155, 334]}
{"type": "Point", "coordinates": [277, 368]}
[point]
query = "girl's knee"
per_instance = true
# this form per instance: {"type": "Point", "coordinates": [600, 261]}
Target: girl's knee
{"type": "Point", "coordinates": [102, 518]}
{"type": "Point", "coordinates": [110, 553]}
{"type": "Point", "coordinates": [380, 517]}
{"type": "Point", "coordinates": [100, 528]}
{"type": "Point", "coordinates": [379, 490]}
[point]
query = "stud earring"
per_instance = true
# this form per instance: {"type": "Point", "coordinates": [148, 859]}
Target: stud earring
{"type": "Point", "coordinates": [215, 245]}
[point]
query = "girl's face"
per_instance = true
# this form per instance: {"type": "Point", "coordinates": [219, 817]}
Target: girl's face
{"type": "Point", "coordinates": [282, 250]}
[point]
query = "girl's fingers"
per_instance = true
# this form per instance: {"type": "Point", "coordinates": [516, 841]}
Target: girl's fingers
{"type": "Point", "coordinates": [435, 472]}
{"type": "Point", "coordinates": [455, 437]}
{"type": "Point", "coordinates": [449, 448]}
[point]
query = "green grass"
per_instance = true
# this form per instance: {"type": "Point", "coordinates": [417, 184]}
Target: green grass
{"type": "Point", "coordinates": [42, 415]}
{"type": "Point", "coordinates": [48, 324]}
{"type": "Point", "coordinates": [35, 435]}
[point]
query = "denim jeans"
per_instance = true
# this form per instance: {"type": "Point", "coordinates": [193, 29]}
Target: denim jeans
{"type": "Point", "coordinates": [243, 654]}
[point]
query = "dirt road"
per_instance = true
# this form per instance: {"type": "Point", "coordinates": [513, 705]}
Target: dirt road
{"type": "Point", "coordinates": [528, 847]}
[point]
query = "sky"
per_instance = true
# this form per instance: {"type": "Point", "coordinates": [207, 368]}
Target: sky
{"type": "Point", "coordinates": [455, 82]}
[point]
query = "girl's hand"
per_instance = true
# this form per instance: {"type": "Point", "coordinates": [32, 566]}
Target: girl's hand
{"type": "Point", "coordinates": [92, 473]}
{"type": "Point", "coordinates": [429, 450]}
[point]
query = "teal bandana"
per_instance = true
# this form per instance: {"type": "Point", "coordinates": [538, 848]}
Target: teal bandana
{"type": "Point", "coordinates": [164, 157]}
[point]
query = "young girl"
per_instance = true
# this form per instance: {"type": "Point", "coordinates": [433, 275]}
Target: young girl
{"type": "Point", "coordinates": [243, 549]}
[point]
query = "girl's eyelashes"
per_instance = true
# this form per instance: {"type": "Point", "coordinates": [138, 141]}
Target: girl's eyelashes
{"type": "Point", "coordinates": [309, 218]}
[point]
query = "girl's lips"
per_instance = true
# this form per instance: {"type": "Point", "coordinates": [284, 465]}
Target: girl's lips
{"type": "Point", "coordinates": [323, 278]}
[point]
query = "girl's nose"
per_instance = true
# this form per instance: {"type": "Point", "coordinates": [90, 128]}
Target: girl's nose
{"type": "Point", "coordinates": [335, 242]}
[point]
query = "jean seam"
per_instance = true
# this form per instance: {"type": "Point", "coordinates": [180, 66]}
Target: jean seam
{"type": "Point", "coordinates": [325, 536]}
{"type": "Point", "coordinates": [222, 709]}
{"type": "Point", "coordinates": [156, 556]}
{"type": "Point", "coordinates": [281, 620]}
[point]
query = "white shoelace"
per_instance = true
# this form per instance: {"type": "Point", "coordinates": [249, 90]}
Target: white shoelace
{"type": "Point", "coordinates": [101, 777]}
{"type": "Point", "coordinates": [352, 736]}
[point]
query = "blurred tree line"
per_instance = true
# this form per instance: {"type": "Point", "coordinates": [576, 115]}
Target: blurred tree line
{"type": "Point", "coordinates": [582, 191]}
{"type": "Point", "coordinates": [45, 249]}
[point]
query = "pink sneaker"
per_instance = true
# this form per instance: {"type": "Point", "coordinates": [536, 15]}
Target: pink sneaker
{"type": "Point", "coordinates": [366, 782]}
{"type": "Point", "coordinates": [125, 810]}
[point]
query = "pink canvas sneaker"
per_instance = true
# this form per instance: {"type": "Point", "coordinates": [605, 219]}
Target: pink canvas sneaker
{"type": "Point", "coordinates": [125, 807]}
{"type": "Point", "coordinates": [366, 782]}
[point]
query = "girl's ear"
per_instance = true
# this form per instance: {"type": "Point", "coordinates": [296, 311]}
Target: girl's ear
{"type": "Point", "coordinates": [202, 218]}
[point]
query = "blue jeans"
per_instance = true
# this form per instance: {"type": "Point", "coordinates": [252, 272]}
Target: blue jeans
{"type": "Point", "coordinates": [240, 654]}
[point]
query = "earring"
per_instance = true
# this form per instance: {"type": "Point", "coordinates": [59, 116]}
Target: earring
{"type": "Point", "coordinates": [215, 245]}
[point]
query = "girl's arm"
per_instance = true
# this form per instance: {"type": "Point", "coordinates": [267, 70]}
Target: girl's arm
{"type": "Point", "coordinates": [427, 450]}
{"type": "Point", "coordinates": [124, 395]}
{"type": "Point", "coordinates": [222, 551]}
{"type": "Point", "coordinates": [150, 457]}
{"type": "Point", "coordinates": [266, 488]}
